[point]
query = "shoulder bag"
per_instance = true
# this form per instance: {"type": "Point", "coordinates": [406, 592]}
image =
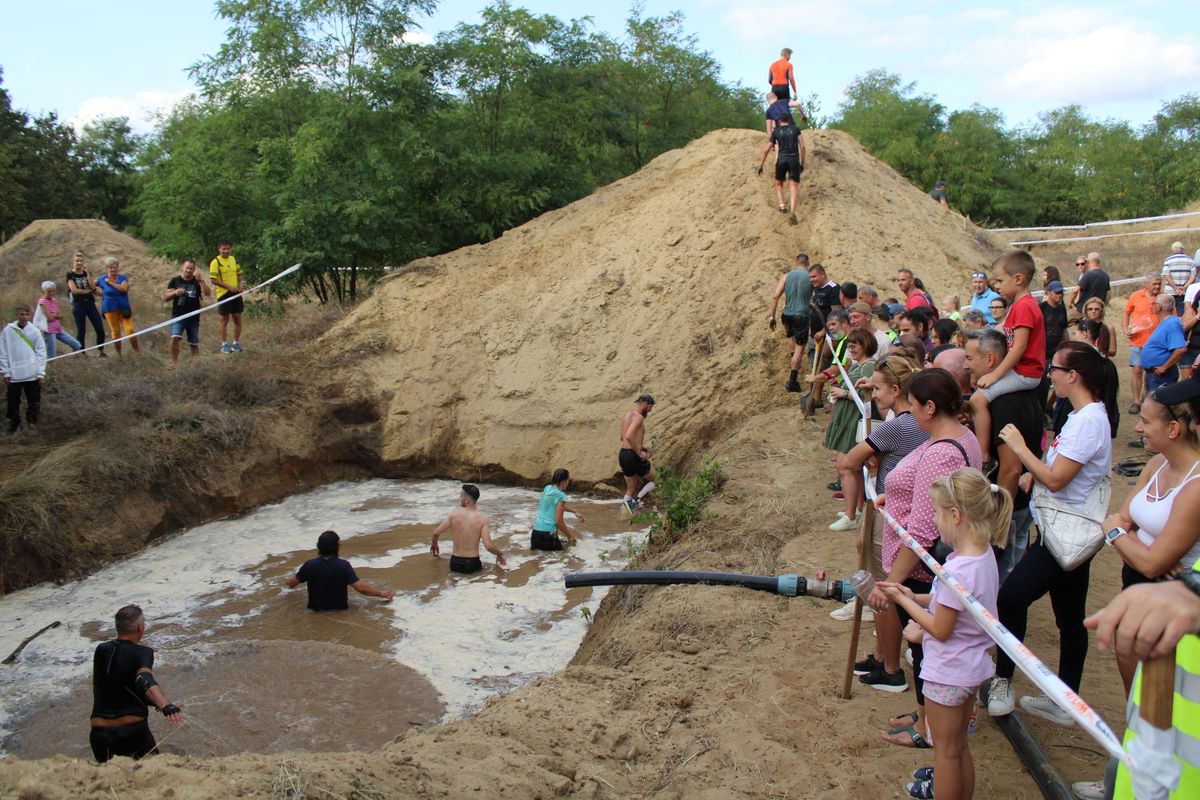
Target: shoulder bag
{"type": "Point", "coordinates": [1072, 535]}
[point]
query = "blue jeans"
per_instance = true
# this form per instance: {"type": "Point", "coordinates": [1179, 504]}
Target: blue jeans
{"type": "Point", "coordinates": [190, 326]}
{"type": "Point", "coordinates": [1018, 541]}
{"type": "Point", "coordinates": [1154, 381]}
{"type": "Point", "coordinates": [64, 337]}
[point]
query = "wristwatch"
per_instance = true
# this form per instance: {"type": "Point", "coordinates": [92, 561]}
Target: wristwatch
{"type": "Point", "coordinates": [1114, 534]}
{"type": "Point", "coordinates": [1190, 579]}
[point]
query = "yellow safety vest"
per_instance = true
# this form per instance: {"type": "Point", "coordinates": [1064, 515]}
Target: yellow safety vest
{"type": "Point", "coordinates": [1185, 721]}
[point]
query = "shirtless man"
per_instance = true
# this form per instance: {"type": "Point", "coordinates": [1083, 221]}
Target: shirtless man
{"type": "Point", "coordinates": [634, 457]}
{"type": "Point", "coordinates": [467, 528]}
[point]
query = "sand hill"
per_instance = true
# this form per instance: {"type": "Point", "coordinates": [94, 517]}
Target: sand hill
{"type": "Point", "coordinates": [43, 249]}
{"type": "Point", "coordinates": [519, 355]}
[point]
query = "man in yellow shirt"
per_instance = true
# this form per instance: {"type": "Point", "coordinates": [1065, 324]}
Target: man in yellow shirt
{"type": "Point", "coordinates": [226, 275]}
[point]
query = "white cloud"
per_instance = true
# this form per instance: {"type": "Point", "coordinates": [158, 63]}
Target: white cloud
{"type": "Point", "coordinates": [417, 36]}
{"type": "Point", "coordinates": [141, 108]}
{"type": "Point", "coordinates": [1100, 61]}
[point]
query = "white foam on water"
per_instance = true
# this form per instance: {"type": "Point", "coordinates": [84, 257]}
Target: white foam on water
{"type": "Point", "coordinates": [474, 639]}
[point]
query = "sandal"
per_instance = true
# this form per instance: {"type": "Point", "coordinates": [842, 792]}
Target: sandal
{"type": "Point", "coordinates": [917, 739]}
{"type": "Point", "coordinates": [782, 208]}
{"type": "Point", "coordinates": [922, 790]}
{"type": "Point", "coordinates": [923, 774]}
{"type": "Point", "coordinates": [898, 723]}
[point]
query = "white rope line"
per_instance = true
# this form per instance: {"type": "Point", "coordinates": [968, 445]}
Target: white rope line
{"type": "Point", "coordinates": [862, 408]}
{"type": "Point", "coordinates": [1103, 236]}
{"type": "Point", "coordinates": [173, 320]}
{"type": "Point", "coordinates": [1087, 225]}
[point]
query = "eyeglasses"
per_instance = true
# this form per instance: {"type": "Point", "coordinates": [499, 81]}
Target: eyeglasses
{"type": "Point", "coordinates": [998, 308]}
{"type": "Point", "coordinates": [1053, 367]}
{"type": "Point", "coordinates": [1081, 263]}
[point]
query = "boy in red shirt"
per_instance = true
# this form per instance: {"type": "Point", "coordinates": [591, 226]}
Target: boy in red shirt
{"type": "Point", "coordinates": [1025, 365]}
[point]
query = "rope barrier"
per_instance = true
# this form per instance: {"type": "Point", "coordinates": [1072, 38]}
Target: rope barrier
{"type": "Point", "coordinates": [1102, 236]}
{"type": "Point", "coordinates": [227, 298]}
{"type": "Point", "coordinates": [1087, 225]}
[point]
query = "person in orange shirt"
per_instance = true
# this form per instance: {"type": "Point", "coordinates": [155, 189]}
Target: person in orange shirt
{"type": "Point", "coordinates": [781, 76]}
{"type": "Point", "coordinates": [1138, 323]}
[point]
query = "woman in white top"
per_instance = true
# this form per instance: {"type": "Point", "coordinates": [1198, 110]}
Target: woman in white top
{"type": "Point", "coordinates": [1076, 461]}
{"type": "Point", "coordinates": [1163, 508]}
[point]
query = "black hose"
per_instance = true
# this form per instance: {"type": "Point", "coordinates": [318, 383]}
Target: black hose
{"type": "Point", "coordinates": [762, 583]}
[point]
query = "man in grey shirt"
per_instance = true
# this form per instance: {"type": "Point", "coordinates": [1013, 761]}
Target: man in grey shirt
{"type": "Point", "coordinates": [797, 311]}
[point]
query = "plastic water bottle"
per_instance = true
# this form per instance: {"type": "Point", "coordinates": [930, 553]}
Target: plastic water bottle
{"type": "Point", "coordinates": [863, 582]}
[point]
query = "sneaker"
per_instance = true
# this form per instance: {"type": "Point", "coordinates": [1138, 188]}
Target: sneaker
{"type": "Point", "coordinates": [1088, 790]}
{"type": "Point", "coordinates": [225, 347]}
{"type": "Point", "coordinates": [921, 790]}
{"type": "Point", "coordinates": [792, 386]}
{"type": "Point", "coordinates": [1134, 408]}
{"type": "Point", "coordinates": [237, 347]}
{"type": "Point", "coordinates": [1044, 707]}
{"type": "Point", "coordinates": [868, 664]}
{"type": "Point", "coordinates": [885, 681]}
{"type": "Point", "coordinates": [846, 613]}
{"type": "Point", "coordinates": [844, 523]}
{"type": "Point", "coordinates": [842, 495]}
{"type": "Point", "coordinates": [1000, 698]}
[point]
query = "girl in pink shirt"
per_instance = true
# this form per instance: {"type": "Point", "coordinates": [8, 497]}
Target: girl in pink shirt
{"type": "Point", "coordinates": [972, 515]}
{"type": "Point", "coordinates": [54, 332]}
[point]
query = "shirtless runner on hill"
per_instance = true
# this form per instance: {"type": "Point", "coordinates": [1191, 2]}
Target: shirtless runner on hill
{"type": "Point", "coordinates": [467, 528]}
{"type": "Point", "coordinates": [634, 457]}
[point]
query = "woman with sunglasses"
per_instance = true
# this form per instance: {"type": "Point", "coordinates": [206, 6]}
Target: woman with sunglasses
{"type": "Point", "coordinates": [999, 310]}
{"type": "Point", "coordinates": [1094, 309]}
{"type": "Point", "coordinates": [1076, 461]}
{"type": "Point", "coordinates": [1155, 532]}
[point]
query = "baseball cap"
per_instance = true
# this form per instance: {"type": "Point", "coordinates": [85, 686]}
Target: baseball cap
{"type": "Point", "coordinates": [47, 285]}
{"type": "Point", "coordinates": [895, 308]}
{"type": "Point", "coordinates": [1178, 392]}
{"type": "Point", "coordinates": [646, 398]}
{"type": "Point", "coordinates": [1175, 245]}
{"type": "Point", "coordinates": [1054, 286]}
{"type": "Point", "coordinates": [861, 308]}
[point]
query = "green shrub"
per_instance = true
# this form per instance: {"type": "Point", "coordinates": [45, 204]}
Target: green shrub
{"type": "Point", "coordinates": [682, 498]}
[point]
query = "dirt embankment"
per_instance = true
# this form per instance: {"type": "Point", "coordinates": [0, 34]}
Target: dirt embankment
{"type": "Point", "coordinates": [512, 358]}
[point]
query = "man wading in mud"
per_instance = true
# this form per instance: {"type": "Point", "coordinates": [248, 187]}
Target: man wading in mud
{"type": "Point", "coordinates": [327, 577]}
{"type": "Point", "coordinates": [467, 528]}
{"type": "Point", "coordinates": [634, 457]}
{"type": "Point", "coordinates": [123, 686]}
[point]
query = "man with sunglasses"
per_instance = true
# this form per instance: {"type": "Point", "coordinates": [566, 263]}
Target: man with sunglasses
{"type": "Point", "coordinates": [982, 296]}
{"type": "Point", "coordinates": [1093, 282]}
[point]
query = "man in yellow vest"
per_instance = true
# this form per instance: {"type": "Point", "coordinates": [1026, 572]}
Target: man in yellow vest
{"type": "Point", "coordinates": [226, 275]}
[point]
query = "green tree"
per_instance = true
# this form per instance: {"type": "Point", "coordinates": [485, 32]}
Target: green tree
{"type": "Point", "coordinates": [107, 148]}
{"type": "Point", "coordinates": [977, 157]}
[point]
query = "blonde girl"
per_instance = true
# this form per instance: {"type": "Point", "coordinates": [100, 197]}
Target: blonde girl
{"type": "Point", "coordinates": [1094, 309]}
{"type": "Point", "coordinates": [971, 514]}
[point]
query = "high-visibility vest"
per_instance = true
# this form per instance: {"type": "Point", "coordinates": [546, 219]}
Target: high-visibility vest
{"type": "Point", "coordinates": [1185, 721]}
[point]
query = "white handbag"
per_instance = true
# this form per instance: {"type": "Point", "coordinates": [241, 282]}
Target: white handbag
{"type": "Point", "coordinates": [1072, 535]}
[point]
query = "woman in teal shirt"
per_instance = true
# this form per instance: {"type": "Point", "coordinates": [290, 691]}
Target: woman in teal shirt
{"type": "Point", "coordinates": [550, 520]}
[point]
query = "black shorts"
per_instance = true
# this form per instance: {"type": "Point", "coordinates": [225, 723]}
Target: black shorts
{"type": "Point", "coordinates": [234, 306]}
{"type": "Point", "coordinates": [632, 464]}
{"type": "Point", "coordinates": [788, 168]}
{"type": "Point", "coordinates": [540, 540]}
{"type": "Point", "coordinates": [134, 741]}
{"type": "Point", "coordinates": [782, 92]}
{"type": "Point", "coordinates": [797, 328]}
{"type": "Point", "coordinates": [465, 565]}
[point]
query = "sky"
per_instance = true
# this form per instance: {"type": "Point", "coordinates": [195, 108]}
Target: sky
{"type": "Point", "coordinates": [84, 59]}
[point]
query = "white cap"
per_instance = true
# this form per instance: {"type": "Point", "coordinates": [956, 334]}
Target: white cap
{"type": "Point", "coordinates": [1177, 246]}
{"type": "Point", "coordinates": [47, 285]}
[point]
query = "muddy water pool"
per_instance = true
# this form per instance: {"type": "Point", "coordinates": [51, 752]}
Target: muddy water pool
{"type": "Point", "coordinates": [256, 671]}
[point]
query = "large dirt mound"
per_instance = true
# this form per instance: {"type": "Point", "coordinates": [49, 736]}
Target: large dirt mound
{"type": "Point", "coordinates": [519, 355]}
{"type": "Point", "coordinates": [42, 251]}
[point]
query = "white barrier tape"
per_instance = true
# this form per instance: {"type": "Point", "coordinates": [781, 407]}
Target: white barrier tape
{"type": "Point", "coordinates": [1087, 225]}
{"type": "Point", "coordinates": [853, 392]}
{"type": "Point", "coordinates": [1102, 236]}
{"type": "Point", "coordinates": [168, 322]}
{"type": "Point", "coordinates": [1022, 656]}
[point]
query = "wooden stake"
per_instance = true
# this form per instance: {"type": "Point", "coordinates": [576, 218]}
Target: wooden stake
{"type": "Point", "coordinates": [1158, 691]}
{"type": "Point", "coordinates": [864, 558]}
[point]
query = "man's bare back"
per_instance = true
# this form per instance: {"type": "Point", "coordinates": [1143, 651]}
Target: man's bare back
{"type": "Point", "coordinates": [467, 527]}
{"type": "Point", "coordinates": [633, 431]}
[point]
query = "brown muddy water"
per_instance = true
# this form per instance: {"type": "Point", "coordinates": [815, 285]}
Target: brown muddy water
{"type": "Point", "coordinates": [255, 671]}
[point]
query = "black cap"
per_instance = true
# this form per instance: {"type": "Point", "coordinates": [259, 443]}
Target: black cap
{"type": "Point", "coordinates": [646, 398]}
{"type": "Point", "coordinates": [1178, 392]}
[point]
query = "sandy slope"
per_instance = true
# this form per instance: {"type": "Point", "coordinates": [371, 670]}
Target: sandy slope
{"type": "Point", "coordinates": [515, 357]}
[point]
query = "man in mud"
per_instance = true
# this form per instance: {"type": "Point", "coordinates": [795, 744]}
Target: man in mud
{"type": "Point", "coordinates": [468, 529]}
{"type": "Point", "coordinates": [789, 163]}
{"type": "Point", "coordinates": [123, 685]}
{"type": "Point", "coordinates": [327, 577]}
{"type": "Point", "coordinates": [634, 456]}
{"type": "Point", "coordinates": [796, 288]}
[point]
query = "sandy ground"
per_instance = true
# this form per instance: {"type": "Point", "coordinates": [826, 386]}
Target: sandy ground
{"type": "Point", "coordinates": [512, 358]}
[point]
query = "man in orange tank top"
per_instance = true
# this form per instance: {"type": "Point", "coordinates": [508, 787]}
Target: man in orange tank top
{"type": "Point", "coordinates": [781, 76]}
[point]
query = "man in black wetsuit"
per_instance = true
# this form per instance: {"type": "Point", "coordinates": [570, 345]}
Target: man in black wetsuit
{"type": "Point", "coordinates": [790, 161]}
{"type": "Point", "coordinates": [123, 685]}
{"type": "Point", "coordinates": [328, 576]}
